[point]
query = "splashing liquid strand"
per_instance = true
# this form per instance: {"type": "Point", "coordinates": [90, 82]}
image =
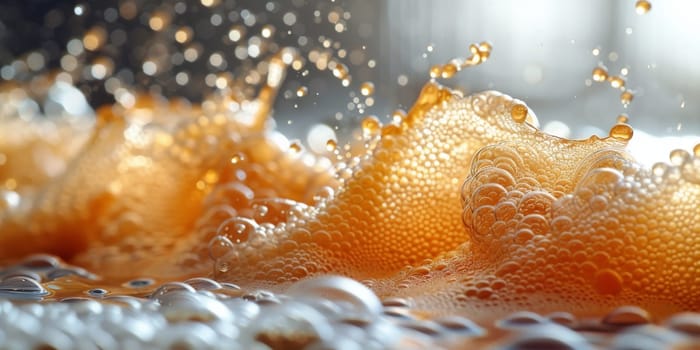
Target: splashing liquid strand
{"type": "Point", "coordinates": [202, 227]}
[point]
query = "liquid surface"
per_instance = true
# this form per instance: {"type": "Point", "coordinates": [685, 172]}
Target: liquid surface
{"type": "Point", "coordinates": [462, 205]}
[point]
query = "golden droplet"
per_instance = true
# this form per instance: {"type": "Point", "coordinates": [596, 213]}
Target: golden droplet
{"type": "Point", "coordinates": [696, 150]}
{"type": "Point", "coordinates": [626, 98]}
{"type": "Point", "coordinates": [642, 7]}
{"type": "Point", "coordinates": [367, 88]}
{"type": "Point", "coordinates": [622, 118]}
{"type": "Point", "coordinates": [237, 158]}
{"type": "Point", "coordinates": [341, 71]}
{"type": "Point", "coordinates": [331, 145]}
{"type": "Point", "coordinates": [485, 48]}
{"type": "Point", "coordinates": [600, 74]}
{"type": "Point", "coordinates": [617, 82]}
{"type": "Point", "coordinates": [295, 146]}
{"type": "Point", "coordinates": [621, 131]}
{"type": "Point", "coordinates": [398, 115]}
{"type": "Point", "coordinates": [519, 113]}
{"type": "Point", "coordinates": [302, 91]}
{"type": "Point", "coordinates": [449, 70]}
{"type": "Point", "coordinates": [436, 71]}
{"type": "Point", "coordinates": [370, 126]}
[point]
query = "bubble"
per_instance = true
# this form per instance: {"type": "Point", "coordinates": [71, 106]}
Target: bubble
{"type": "Point", "coordinates": [627, 316]}
{"type": "Point", "coordinates": [21, 287]}
{"type": "Point", "coordinates": [548, 336]}
{"type": "Point", "coordinates": [685, 322]}
{"type": "Point", "coordinates": [302, 91]}
{"type": "Point", "coordinates": [291, 326]}
{"type": "Point", "coordinates": [169, 288]}
{"type": "Point", "coordinates": [521, 319]}
{"type": "Point", "coordinates": [679, 157]}
{"type": "Point", "coordinates": [353, 296]}
{"type": "Point", "coordinates": [236, 230]}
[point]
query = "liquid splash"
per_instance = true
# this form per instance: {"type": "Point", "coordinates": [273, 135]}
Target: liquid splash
{"type": "Point", "coordinates": [462, 206]}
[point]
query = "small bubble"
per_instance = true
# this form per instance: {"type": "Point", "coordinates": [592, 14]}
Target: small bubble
{"type": "Point", "coordinates": [237, 229]}
{"type": "Point", "coordinates": [302, 91]}
{"type": "Point", "coordinates": [97, 292]}
{"type": "Point", "coordinates": [627, 316]}
{"type": "Point", "coordinates": [331, 145]}
{"type": "Point", "coordinates": [139, 283]}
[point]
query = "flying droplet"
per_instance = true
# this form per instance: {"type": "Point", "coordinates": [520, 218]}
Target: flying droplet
{"type": "Point", "coordinates": [600, 74]}
{"type": "Point", "coordinates": [367, 88]}
{"type": "Point", "coordinates": [626, 98]}
{"type": "Point", "coordinates": [331, 145]}
{"type": "Point", "coordinates": [621, 131]}
{"type": "Point", "coordinates": [302, 91]}
{"type": "Point", "coordinates": [642, 7]}
{"type": "Point", "coordinates": [519, 113]}
{"type": "Point", "coordinates": [370, 126]}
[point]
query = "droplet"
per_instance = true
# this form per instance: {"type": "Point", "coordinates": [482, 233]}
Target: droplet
{"type": "Point", "coordinates": [341, 71]}
{"type": "Point", "coordinates": [642, 7]}
{"type": "Point", "coordinates": [627, 316]}
{"type": "Point", "coordinates": [600, 74]}
{"type": "Point", "coordinates": [696, 150]}
{"type": "Point", "coordinates": [519, 113]}
{"type": "Point", "coordinates": [449, 70]}
{"type": "Point", "coordinates": [622, 118]}
{"type": "Point", "coordinates": [370, 126]}
{"type": "Point", "coordinates": [367, 88]}
{"type": "Point", "coordinates": [331, 145]}
{"type": "Point", "coordinates": [436, 71]}
{"type": "Point", "coordinates": [302, 91]}
{"type": "Point", "coordinates": [626, 98]}
{"type": "Point", "coordinates": [295, 147]}
{"type": "Point", "coordinates": [617, 82]}
{"type": "Point", "coordinates": [621, 131]}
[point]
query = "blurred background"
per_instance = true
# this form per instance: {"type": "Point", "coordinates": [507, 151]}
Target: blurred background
{"type": "Point", "coordinates": [544, 52]}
